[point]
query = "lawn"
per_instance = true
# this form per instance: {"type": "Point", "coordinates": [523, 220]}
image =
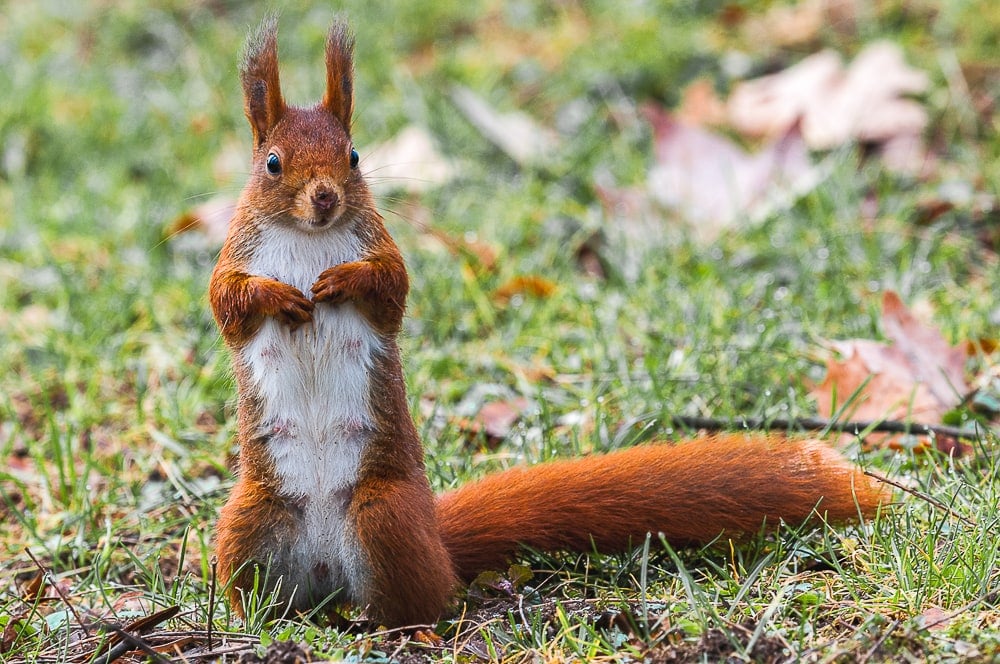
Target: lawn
{"type": "Point", "coordinates": [553, 285]}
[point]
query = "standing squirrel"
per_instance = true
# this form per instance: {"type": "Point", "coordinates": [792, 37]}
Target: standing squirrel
{"type": "Point", "coordinates": [332, 495]}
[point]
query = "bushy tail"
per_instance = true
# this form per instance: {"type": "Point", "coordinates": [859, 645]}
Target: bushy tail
{"type": "Point", "coordinates": [691, 492]}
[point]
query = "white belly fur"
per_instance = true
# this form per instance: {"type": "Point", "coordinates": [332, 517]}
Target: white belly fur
{"type": "Point", "coordinates": [313, 385]}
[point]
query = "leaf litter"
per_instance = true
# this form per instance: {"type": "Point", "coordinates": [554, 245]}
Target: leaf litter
{"type": "Point", "coordinates": [867, 101]}
{"type": "Point", "coordinates": [917, 377]}
{"type": "Point", "coordinates": [515, 133]}
{"type": "Point", "coordinates": [710, 183]}
{"type": "Point", "coordinates": [714, 183]}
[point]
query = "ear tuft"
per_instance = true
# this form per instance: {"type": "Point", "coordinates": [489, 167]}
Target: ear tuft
{"type": "Point", "coordinates": [262, 98]}
{"type": "Point", "coordinates": [339, 97]}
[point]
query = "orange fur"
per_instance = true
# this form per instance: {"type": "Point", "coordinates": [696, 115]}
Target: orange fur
{"type": "Point", "coordinates": [393, 548]}
{"type": "Point", "coordinates": [691, 492]}
{"type": "Point", "coordinates": [378, 286]}
{"type": "Point", "coordinates": [242, 302]}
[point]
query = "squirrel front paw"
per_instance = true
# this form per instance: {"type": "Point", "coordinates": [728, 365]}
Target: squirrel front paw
{"type": "Point", "coordinates": [378, 292]}
{"type": "Point", "coordinates": [286, 303]}
{"type": "Point", "coordinates": [340, 283]}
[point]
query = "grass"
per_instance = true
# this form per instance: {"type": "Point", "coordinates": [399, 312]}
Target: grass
{"type": "Point", "coordinates": [116, 402]}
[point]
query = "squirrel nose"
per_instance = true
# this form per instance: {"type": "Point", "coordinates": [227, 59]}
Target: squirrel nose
{"type": "Point", "coordinates": [324, 199]}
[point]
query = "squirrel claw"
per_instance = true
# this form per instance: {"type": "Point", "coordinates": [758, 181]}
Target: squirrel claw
{"type": "Point", "coordinates": [324, 293]}
{"type": "Point", "coordinates": [296, 313]}
{"type": "Point", "coordinates": [329, 286]}
{"type": "Point", "coordinates": [290, 306]}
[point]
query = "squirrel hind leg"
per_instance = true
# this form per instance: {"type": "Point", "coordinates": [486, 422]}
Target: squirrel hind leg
{"type": "Point", "coordinates": [411, 577]}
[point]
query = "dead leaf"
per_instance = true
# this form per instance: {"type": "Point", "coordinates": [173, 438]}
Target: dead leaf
{"type": "Point", "coordinates": [531, 285]}
{"type": "Point", "coordinates": [589, 259]}
{"type": "Point", "coordinates": [133, 602]}
{"type": "Point", "coordinates": [979, 209]}
{"type": "Point", "coordinates": [866, 102]}
{"type": "Point", "coordinates": [211, 219]}
{"type": "Point", "coordinates": [981, 78]}
{"type": "Point", "coordinates": [982, 346]}
{"type": "Point", "coordinates": [700, 105]}
{"type": "Point", "coordinates": [427, 637]}
{"type": "Point", "coordinates": [146, 623]}
{"type": "Point", "coordinates": [516, 133]}
{"type": "Point", "coordinates": [480, 256]}
{"type": "Point", "coordinates": [732, 15]}
{"type": "Point", "coordinates": [868, 105]}
{"type": "Point", "coordinates": [769, 105]}
{"type": "Point", "coordinates": [783, 26]}
{"type": "Point", "coordinates": [713, 183]}
{"type": "Point", "coordinates": [786, 26]}
{"type": "Point", "coordinates": [936, 363]}
{"type": "Point", "coordinates": [495, 420]}
{"type": "Point", "coordinates": [34, 589]}
{"type": "Point", "coordinates": [917, 377]}
{"type": "Point", "coordinates": [15, 627]}
{"type": "Point", "coordinates": [410, 162]}
{"type": "Point", "coordinates": [935, 618]}
{"type": "Point", "coordinates": [497, 417]}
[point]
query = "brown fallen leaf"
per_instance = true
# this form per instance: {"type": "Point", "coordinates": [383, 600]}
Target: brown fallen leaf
{"type": "Point", "coordinates": [935, 618]}
{"type": "Point", "coordinates": [700, 105]}
{"type": "Point", "coordinates": [34, 589]}
{"type": "Point", "coordinates": [713, 183]}
{"type": "Point", "coordinates": [497, 417]}
{"type": "Point", "coordinates": [865, 102]}
{"type": "Point", "coordinates": [531, 285]}
{"type": "Point", "coordinates": [210, 218]}
{"type": "Point", "coordinates": [495, 420]}
{"type": "Point", "coordinates": [428, 637]}
{"type": "Point", "coordinates": [936, 363]}
{"type": "Point", "coordinates": [769, 105]}
{"type": "Point", "coordinates": [784, 26]}
{"type": "Point", "coordinates": [480, 255]}
{"type": "Point", "coordinates": [917, 377]}
{"type": "Point", "coordinates": [15, 627]}
{"type": "Point", "coordinates": [869, 105]}
{"type": "Point", "coordinates": [409, 162]}
{"type": "Point", "coordinates": [146, 623]}
{"type": "Point", "coordinates": [516, 133]}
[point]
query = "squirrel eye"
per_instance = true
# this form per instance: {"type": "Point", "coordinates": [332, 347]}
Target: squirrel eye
{"type": "Point", "coordinates": [273, 164]}
{"type": "Point", "coordinates": [354, 158]}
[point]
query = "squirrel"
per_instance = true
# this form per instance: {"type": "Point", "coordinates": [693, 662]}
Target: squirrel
{"type": "Point", "coordinates": [332, 499]}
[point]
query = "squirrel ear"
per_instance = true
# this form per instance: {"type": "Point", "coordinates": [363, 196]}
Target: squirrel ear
{"type": "Point", "coordinates": [339, 97]}
{"type": "Point", "coordinates": [262, 98]}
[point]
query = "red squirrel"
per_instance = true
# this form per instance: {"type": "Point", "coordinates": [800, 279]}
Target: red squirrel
{"type": "Point", "coordinates": [332, 497]}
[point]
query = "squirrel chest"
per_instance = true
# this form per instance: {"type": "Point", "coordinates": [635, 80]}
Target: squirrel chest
{"type": "Point", "coordinates": [312, 390]}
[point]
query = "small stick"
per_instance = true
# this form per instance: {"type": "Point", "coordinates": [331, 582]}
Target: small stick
{"type": "Point", "coordinates": [48, 573]}
{"type": "Point", "coordinates": [131, 642]}
{"type": "Point", "coordinates": [879, 641]}
{"type": "Point", "coordinates": [819, 424]}
{"type": "Point", "coordinates": [211, 601]}
{"type": "Point", "coordinates": [989, 596]}
{"type": "Point", "coordinates": [922, 496]}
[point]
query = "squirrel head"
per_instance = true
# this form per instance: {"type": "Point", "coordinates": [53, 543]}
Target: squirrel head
{"type": "Point", "coordinates": [305, 168]}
